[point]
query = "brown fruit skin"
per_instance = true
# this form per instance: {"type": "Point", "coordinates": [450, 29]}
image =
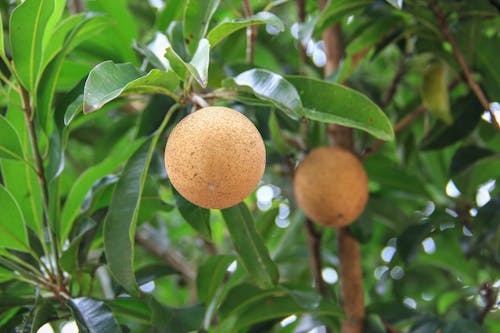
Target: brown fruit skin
{"type": "Point", "coordinates": [215, 157]}
{"type": "Point", "coordinates": [331, 186]}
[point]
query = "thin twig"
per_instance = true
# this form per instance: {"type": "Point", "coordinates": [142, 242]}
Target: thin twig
{"type": "Point", "coordinates": [403, 123]}
{"type": "Point", "coordinates": [393, 88]}
{"type": "Point", "coordinates": [390, 328]}
{"type": "Point", "coordinates": [251, 32]}
{"type": "Point", "coordinates": [443, 26]}
{"type": "Point", "coordinates": [301, 15]}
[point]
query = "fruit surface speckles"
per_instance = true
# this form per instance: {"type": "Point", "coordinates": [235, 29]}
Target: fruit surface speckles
{"type": "Point", "coordinates": [331, 186]}
{"type": "Point", "coordinates": [215, 157]}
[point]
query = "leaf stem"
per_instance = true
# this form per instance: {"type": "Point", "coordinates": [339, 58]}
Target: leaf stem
{"type": "Point", "coordinates": [251, 32]}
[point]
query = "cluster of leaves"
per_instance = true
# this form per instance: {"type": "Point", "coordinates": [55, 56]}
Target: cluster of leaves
{"type": "Point", "coordinates": [90, 222]}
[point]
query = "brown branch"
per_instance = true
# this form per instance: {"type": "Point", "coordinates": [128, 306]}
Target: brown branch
{"type": "Point", "coordinates": [443, 26]}
{"type": "Point", "coordinates": [145, 238]}
{"type": "Point", "coordinates": [314, 244]}
{"type": "Point", "coordinates": [403, 123]}
{"type": "Point", "coordinates": [390, 328]}
{"type": "Point", "coordinates": [76, 6]}
{"type": "Point", "coordinates": [251, 32]}
{"type": "Point", "coordinates": [351, 282]}
{"type": "Point", "coordinates": [301, 15]}
{"type": "Point", "coordinates": [490, 294]}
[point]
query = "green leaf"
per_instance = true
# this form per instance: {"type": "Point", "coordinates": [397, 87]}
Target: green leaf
{"type": "Point", "coordinates": [467, 111]}
{"type": "Point", "coordinates": [73, 110]}
{"type": "Point", "coordinates": [2, 44]}
{"type": "Point", "coordinates": [270, 87]}
{"type": "Point", "coordinates": [27, 29]}
{"type": "Point", "coordinates": [131, 308]}
{"type": "Point", "coordinates": [6, 275]}
{"type": "Point", "coordinates": [197, 15]}
{"type": "Point", "coordinates": [210, 276]}
{"type": "Point", "coordinates": [224, 29]}
{"type": "Point", "coordinates": [120, 223]}
{"type": "Point", "coordinates": [197, 217]}
{"type": "Point", "coordinates": [12, 227]}
{"type": "Point", "coordinates": [251, 250]}
{"type": "Point", "coordinates": [108, 81]}
{"type": "Point", "coordinates": [83, 184]}
{"type": "Point", "coordinates": [10, 144]}
{"type": "Point", "coordinates": [197, 67]}
{"type": "Point", "coordinates": [466, 156]}
{"type": "Point", "coordinates": [434, 91]}
{"type": "Point", "coordinates": [334, 103]}
{"type": "Point", "coordinates": [93, 316]}
{"type": "Point", "coordinates": [176, 320]}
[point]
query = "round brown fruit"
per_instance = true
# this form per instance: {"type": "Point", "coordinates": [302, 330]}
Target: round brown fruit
{"type": "Point", "coordinates": [215, 157]}
{"type": "Point", "coordinates": [331, 186]}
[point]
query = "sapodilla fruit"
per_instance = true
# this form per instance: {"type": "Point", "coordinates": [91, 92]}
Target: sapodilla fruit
{"type": "Point", "coordinates": [331, 186]}
{"type": "Point", "coordinates": [215, 157]}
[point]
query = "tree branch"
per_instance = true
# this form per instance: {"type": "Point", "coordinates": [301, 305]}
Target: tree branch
{"type": "Point", "coordinates": [314, 243]}
{"type": "Point", "coordinates": [145, 238]}
{"type": "Point", "coordinates": [301, 15]}
{"type": "Point", "coordinates": [443, 26]}
{"type": "Point", "coordinates": [490, 294]}
{"type": "Point", "coordinates": [251, 32]}
{"type": "Point", "coordinates": [393, 88]}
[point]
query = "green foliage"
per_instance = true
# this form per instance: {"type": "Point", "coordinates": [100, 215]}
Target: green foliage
{"type": "Point", "coordinates": [92, 231]}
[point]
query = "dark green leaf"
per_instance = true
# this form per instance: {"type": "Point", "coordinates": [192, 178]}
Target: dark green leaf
{"type": "Point", "coordinates": [131, 308]}
{"type": "Point", "coordinates": [334, 103]}
{"type": "Point", "coordinates": [463, 326]}
{"type": "Point", "coordinates": [224, 29]}
{"type": "Point", "coordinates": [93, 316]}
{"type": "Point", "coordinates": [12, 226]}
{"type": "Point", "coordinates": [120, 224]}
{"type": "Point", "coordinates": [467, 113]}
{"type": "Point", "coordinates": [465, 157]}
{"type": "Point", "coordinates": [197, 217]}
{"type": "Point", "coordinates": [252, 252]}
{"type": "Point", "coordinates": [269, 87]}
{"type": "Point", "coordinates": [211, 276]}
{"type": "Point", "coordinates": [176, 320]}
{"type": "Point", "coordinates": [10, 144]}
{"type": "Point", "coordinates": [410, 241]}
{"type": "Point", "coordinates": [27, 30]}
{"type": "Point", "coordinates": [84, 183]}
{"type": "Point", "coordinates": [108, 81]}
{"type": "Point", "coordinates": [6, 275]}
{"type": "Point", "coordinates": [276, 135]}
{"type": "Point", "coordinates": [197, 15]}
{"type": "Point", "coordinates": [42, 313]}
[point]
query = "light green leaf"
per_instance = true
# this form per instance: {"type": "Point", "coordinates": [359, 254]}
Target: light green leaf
{"type": "Point", "coordinates": [12, 227]}
{"type": "Point", "coordinates": [83, 184]}
{"type": "Point", "coordinates": [65, 39]}
{"type": "Point", "coordinates": [269, 87]}
{"type": "Point", "coordinates": [6, 275]}
{"type": "Point", "coordinates": [197, 67]}
{"type": "Point", "coordinates": [197, 15]}
{"type": "Point", "coordinates": [10, 144]}
{"type": "Point", "coordinates": [333, 103]}
{"type": "Point", "coordinates": [2, 45]}
{"type": "Point", "coordinates": [224, 29]}
{"type": "Point", "coordinates": [27, 29]}
{"type": "Point", "coordinates": [93, 316]}
{"type": "Point", "coordinates": [108, 81]}
{"type": "Point", "coordinates": [434, 90]}
{"type": "Point", "coordinates": [251, 250]}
